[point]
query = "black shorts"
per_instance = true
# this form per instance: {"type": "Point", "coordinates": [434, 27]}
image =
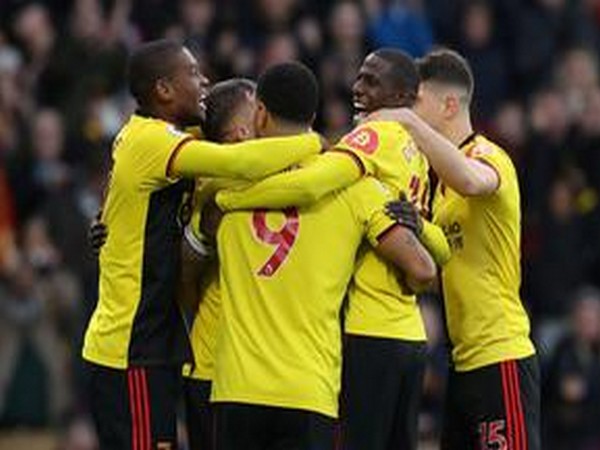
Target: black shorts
{"type": "Point", "coordinates": [256, 427]}
{"type": "Point", "coordinates": [381, 393]}
{"type": "Point", "coordinates": [494, 407]}
{"type": "Point", "coordinates": [135, 409]}
{"type": "Point", "coordinates": [198, 413]}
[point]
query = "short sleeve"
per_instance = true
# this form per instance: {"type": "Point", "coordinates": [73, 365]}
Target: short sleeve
{"type": "Point", "coordinates": [373, 143]}
{"type": "Point", "coordinates": [369, 197]}
{"type": "Point", "coordinates": [363, 142]}
{"type": "Point", "coordinates": [158, 144]}
{"type": "Point", "coordinates": [491, 156]}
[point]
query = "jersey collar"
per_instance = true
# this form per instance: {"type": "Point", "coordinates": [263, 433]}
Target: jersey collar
{"type": "Point", "coordinates": [470, 138]}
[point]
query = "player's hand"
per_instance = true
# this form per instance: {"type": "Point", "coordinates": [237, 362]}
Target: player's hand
{"type": "Point", "coordinates": [97, 235]}
{"type": "Point", "coordinates": [404, 116]}
{"type": "Point", "coordinates": [405, 213]}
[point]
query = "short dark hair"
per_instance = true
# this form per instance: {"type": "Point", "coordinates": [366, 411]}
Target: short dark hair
{"type": "Point", "coordinates": [221, 103]}
{"type": "Point", "coordinates": [448, 67]}
{"type": "Point", "coordinates": [290, 92]}
{"type": "Point", "coordinates": [147, 64]}
{"type": "Point", "coordinates": [403, 73]}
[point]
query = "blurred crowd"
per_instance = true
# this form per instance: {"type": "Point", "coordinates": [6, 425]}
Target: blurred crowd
{"type": "Point", "coordinates": [62, 99]}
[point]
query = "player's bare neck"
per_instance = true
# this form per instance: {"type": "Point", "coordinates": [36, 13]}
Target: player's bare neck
{"type": "Point", "coordinates": [154, 112]}
{"type": "Point", "coordinates": [282, 128]}
{"type": "Point", "coordinates": [458, 129]}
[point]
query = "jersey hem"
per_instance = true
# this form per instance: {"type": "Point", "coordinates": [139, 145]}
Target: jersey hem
{"type": "Point", "coordinates": [382, 335]}
{"type": "Point", "coordinates": [277, 403]}
{"type": "Point", "coordinates": [488, 362]}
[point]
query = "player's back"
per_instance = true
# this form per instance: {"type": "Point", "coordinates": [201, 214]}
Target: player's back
{"type": "Point", "coordinates": [284, 275]}
{"type": "Point", "coordinates": [378, 307]}
{"type": "Point", "coordinates": [204, 330]}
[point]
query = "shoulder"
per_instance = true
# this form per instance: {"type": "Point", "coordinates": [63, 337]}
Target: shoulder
{"type": "Point", "coordinates": [371, 136]}
{"type": "Point", "coordinates": [368, 189]}
{"type": "Point", "coordinates": [482, 147]}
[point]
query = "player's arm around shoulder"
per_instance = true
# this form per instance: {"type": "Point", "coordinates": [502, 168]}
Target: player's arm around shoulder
{"type": "Point", "coordinates": [304, 186]}
{"type": "Point", "coordinates": [465, 175]}
{"type": "Point", "coordinates": [250, 160]}
{"type": "Point", "coordinates": [395, 243]}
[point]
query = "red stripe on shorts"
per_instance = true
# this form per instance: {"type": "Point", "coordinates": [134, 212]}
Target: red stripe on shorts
{"type": "Point", "coordinates": [133, 409]}
{"type": "Point", "coordinates": [507, 404]}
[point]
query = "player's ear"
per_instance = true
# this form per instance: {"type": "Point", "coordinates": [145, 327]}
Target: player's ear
{"type": "Point", "coordinates": [246, 132]}
{"type": "Point", "coordinates": [163, 89]}
{"type": "Point", "coordinates": [451, 105]}
{"type": "Point", "coordinates": [261, 117]}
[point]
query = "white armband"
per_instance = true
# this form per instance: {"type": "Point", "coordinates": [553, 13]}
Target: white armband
{"type": "Point", "coordinates": [199, 245]}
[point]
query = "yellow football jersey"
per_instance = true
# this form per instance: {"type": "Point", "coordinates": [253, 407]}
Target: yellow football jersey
{"type": "Point", "coordinates": [137, 320]}
{"type": "Point", "coordinates": [203, 335]}
{"type": "Point", "coordinates": [486, 319]}
{"type": "Point", "coordinates": [378, 307]}
{"type": "Point", "coordinates": [284, 275]}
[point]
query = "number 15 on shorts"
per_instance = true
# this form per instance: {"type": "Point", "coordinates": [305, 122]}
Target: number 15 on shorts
{"type": "Point", "coordinates": [491, 435]}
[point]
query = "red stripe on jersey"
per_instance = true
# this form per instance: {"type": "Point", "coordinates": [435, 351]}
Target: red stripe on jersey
{"type": "Point", "coordinates": [174, 154]}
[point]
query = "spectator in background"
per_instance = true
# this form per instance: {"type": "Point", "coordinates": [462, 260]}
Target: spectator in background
{"type": "Point", "coordinates": [278, 48]}
{"type": "Point", "coordinates": [36, 34]}
{"type": "Point", "coordinates": [7, 227]}
{"type": "Point", "coordinates": [348, 43]}
{"type": "Point", "coordinates": [35, 305]}
{"type": "Point", "coordinates": [310, 39]}
{"type": "Point", "coordinates": [577, 76]}
{"type": "Point", "coordinates": [45, 170]}
{"type": "Point", "coordinates": [230, 55]}
{"type": "Point", "coordinates": [14, 99]}
{"type": "Point", "coordinates": [541, 29]}
{"type": "Point", "coordinates": [336, 118]}
{"type": "Point", "coordinates": [572, 385]}
{"type": "Point", "coordinates": [510, 129]}
{"type": "Point", "coordinates": [587, 147]}
{"type": "Point", "coordinates": [444, 17]}
{"type": "Point", "coordinates": [561, 240]}
{"type": "Point", "coordinates": [434, 382]}
{"type": "Point", "coordinates": [402, 24]}
{"type": "Point", "coordinates": [486, 58]}
{"type": "Point", "coordinates": [547, 144]}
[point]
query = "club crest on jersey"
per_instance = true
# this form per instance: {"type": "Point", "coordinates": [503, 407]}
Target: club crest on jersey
{"type": "Point", "coordinates": [175, 132]}
{"type": "Point", "coordinates": [410, 151]}
{"type": "Point", "coordinates": [480, 149]}
{"type": "Point", "coordinates": [364, 139]}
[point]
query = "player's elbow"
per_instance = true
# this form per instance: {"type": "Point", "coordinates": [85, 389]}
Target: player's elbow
{"type": "Point", "coordinates": [422, 275]}
{"type": "Point", "coordinates": [475, 183]}
{"type": "Point", "coordinates": [309, 194]}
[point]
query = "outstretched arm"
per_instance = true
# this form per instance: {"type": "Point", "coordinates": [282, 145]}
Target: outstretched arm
{"type": "Point", "coordinates": [328, 172]}
{"type": "Point", "coordinates": [247, 160]}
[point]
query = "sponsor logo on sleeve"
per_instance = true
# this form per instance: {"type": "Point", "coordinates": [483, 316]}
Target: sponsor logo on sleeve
{"type": "Point", "coordinates": [364, 139]}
